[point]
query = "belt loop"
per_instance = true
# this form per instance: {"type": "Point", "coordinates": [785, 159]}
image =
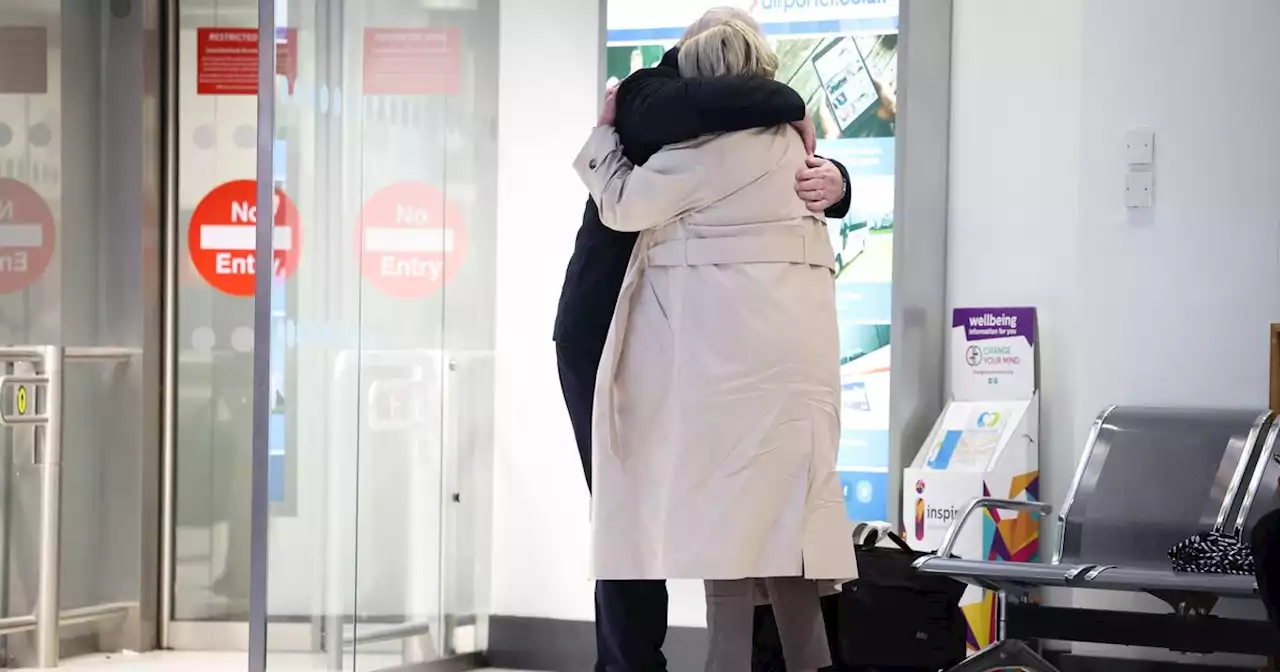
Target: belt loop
{"type": "Point", "coordinates": [804, 248]}
{"type": "Point", "coordinates": [684, 247]}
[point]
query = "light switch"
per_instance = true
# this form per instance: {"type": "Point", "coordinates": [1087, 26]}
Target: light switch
{"type": "Point", "coordinates": [1140, 189]}
{"type": "Point", "coordinates": [1140, 146]}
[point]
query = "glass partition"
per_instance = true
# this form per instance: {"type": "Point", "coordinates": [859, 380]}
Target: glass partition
{"type": "Point", "coordinates": [380, 361]}
{"type": "Point", "coordinates": [215, 149]}
{"type": "Point", "coordinates": [381, 333]}
{"type": "Point", "coordinates": [79, 322]}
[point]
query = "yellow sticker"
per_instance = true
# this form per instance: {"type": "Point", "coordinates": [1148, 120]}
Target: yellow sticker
{"type": "Point", "coordinates": [21, 399]}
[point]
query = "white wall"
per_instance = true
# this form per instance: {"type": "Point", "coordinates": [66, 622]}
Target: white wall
{"type": "Point", "coordinates": [1014, 186]}
{"type": "Point", "coordinates": [549, 90]}
{"type": "Point", "coordinates": [1193, 286]}
{"type": "Point", "coordinates": [1171, 307]}
{"type": "Point", "coordinates": [540, 526]}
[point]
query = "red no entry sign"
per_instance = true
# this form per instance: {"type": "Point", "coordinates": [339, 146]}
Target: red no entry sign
{"type": "Point", "coordinates": [26, 235]}
{"type": "Point", "coordinates": [222, 237]}
{"type": "Point", "coordinates": [410, 240]}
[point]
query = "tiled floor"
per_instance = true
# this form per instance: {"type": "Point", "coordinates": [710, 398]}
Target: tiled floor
{"type": "Point", "coordinates": [170, 661]}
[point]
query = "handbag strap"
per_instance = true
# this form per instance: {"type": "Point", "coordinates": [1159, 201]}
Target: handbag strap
{"type": "Point", "coordinates": [899, 542]}
{"type": "Point", "coordinates": [867, 535]}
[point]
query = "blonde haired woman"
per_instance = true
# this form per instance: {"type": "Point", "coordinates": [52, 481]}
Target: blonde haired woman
{"type": "Point", "coordinates": [717, 402]}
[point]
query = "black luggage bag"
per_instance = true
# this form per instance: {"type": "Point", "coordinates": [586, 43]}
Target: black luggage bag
{"type": "Point", "coordinates": [891, 619]}
{"type": "Point", "coordinates": [895, 619]}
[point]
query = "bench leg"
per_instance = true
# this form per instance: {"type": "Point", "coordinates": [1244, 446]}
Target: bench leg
{"type": "Point", "coordinates": [1009, 653]}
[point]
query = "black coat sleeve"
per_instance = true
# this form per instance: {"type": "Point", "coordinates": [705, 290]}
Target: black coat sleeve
{"type": "Point", "coordinates": [841, 208]}
{"type": "Point", "coordinates": [656, 107]}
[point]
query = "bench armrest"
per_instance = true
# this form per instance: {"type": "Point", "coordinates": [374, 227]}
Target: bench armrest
{"type": "Point", "coordinates": [986, 504]}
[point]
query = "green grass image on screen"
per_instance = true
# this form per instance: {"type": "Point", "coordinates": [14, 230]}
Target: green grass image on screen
{"type": "Point", "coordinates": [620, 62]}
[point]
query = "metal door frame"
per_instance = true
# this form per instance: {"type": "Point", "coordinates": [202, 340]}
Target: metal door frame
{"type": "Point", "coordinates": [211, 635]}
{"type": "Point", "coordinates": [168, 29]}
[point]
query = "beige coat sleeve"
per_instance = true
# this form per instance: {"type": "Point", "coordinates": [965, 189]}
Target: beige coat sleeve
{"type": "Point", "coordinates": [634, 198]}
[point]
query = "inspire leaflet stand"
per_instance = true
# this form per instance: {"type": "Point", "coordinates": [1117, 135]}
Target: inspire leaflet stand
{"type": "Point", "coordinates": [983, 445]}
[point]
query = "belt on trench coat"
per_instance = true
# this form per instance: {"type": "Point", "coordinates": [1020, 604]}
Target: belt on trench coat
{"type": "Point", "coordinates": [811, 247]}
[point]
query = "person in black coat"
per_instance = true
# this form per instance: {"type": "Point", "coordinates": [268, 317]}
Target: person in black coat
{"type": "Point", "coordinates": [1265, 542]}
{"type": "Point", "coordinates": [655, 108]}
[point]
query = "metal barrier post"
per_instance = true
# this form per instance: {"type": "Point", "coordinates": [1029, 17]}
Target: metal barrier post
{"type": "Point", "coordinates": [7, 442]}
{"type": "Point", "coordinates": [46, 417]}
{"type": "Point", "coordinates": [47, 607]}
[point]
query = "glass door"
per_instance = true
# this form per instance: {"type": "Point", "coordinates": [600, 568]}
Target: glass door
{"type": "Point", "coordinates": [372, 437]}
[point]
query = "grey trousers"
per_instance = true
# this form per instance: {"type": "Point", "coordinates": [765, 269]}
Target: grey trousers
{"type": "Point", "coordinates": [730, 618]}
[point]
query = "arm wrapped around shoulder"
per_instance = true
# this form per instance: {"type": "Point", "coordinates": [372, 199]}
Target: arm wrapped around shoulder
{"type": "Point", "coordinates": [657, 107]}
{"type": "Point", "coordinates": [635, 198]}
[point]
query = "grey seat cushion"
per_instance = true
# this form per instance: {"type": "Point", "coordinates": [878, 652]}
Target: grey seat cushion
{"type": "Point", "coordinates": [999, 573]}
{"type": "Point", "coordinates": [1157, 580]}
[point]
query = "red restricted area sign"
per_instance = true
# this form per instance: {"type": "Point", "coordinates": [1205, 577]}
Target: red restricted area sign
{"type": "Point", "coordinates": [227, 60]}
{"type": "Point", "coordinates": [26, 235]}
{"type": "Point", "coordinates": [222, 237]}
{"type": "Point", "coordinates": [411, 61]}
{"type": "Point", "coordinates": [410, 240]}
{"type": "Point", "coordinates": [24, 50]}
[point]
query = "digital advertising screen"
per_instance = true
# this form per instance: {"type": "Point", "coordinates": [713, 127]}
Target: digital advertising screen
{"type": "Point", "coordinates": [842, 57]}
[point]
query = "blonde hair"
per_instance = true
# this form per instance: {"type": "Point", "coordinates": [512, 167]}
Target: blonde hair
{"type": "Point", "coordinates": [730, 48]}
{"type": "Point", "coordinates": [717, 16]}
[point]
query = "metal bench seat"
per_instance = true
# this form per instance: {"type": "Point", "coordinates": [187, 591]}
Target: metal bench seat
{"type": "Point", "coordinates": [1021, 576]}
{"type": "Point", "coordinates": [1001, 576]}
{"type": "Point", "coordinates": [1159, 582]}
{"type": "Point", "coordinates": [1148, 479]}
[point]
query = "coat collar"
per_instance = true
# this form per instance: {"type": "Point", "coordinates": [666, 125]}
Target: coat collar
{"type": "Point", "coordinates": [671, 59]}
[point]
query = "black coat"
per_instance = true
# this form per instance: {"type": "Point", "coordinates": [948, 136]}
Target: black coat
{"type": "Point", "coordinates": [655, 108]}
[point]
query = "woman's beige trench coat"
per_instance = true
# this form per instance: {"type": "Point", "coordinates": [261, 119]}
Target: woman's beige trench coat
{"type": "Point", "coordinates": [717, 400]}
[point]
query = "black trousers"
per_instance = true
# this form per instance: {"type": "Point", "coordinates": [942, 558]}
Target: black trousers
{"type": "Point", "coordinates": [631, 616]}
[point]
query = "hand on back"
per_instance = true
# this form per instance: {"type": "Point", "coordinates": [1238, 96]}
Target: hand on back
{"type": "Point", "coordinates": [819, 184]}
{"type": "Point", "coordinates": [609, 111]}
{"type": "Point", "coordinates": [808, 134]}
